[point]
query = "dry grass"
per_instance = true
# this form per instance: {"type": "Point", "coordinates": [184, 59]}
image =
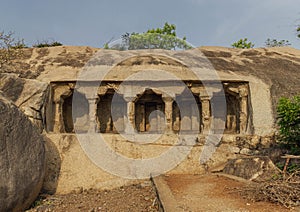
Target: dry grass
{"type": "Point", "coordinates": [283, 190]}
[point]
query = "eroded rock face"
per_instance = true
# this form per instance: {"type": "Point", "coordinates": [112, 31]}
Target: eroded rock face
{"type": "Point", "coordinates": [22, 159]}
{"type": "Point", "coordinates": [251, 168]}
{"type": "Point", "coordinates": [27, 94]}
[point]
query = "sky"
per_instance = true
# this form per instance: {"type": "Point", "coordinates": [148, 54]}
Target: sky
{"type": "Point", "coordinates": [203, 22]}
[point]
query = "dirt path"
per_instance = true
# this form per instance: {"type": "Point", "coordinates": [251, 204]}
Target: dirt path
{"type": "Point", "coordinates": [206, 193]}
{"type": "Point", "coordinates": [177, 193]}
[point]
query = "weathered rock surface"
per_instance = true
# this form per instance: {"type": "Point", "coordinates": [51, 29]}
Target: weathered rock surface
{"type": "Point", "coordinates": [22, 159]}
{"type": "Point", "coordinates": [277, 67]}
{"type": "Point", "coordinates": [269, 72]}
{"type": "Point", "coordinates": [29, 95]}
{"type": "Point", "coordinates": [251, 168]}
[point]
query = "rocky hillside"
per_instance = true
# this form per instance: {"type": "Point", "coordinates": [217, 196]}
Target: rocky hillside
{"type": "Point", "coordinates": [277, 67]}
{"type": "Point", "coordinates": [35, 61]}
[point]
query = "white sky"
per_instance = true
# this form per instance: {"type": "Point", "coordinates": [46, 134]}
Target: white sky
{"type": "Point", "coordinates": [203, 22]}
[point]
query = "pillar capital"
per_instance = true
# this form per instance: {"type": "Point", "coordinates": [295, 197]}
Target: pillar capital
{"type": "Point", "coordinates": [167, 99]}
{"type": "Point", "coordinates": [129, 98]}
{"type": "Point", "coordinates": [59, 91]}
{"type": "Point", "coordinates": [204, 98]}
{"type": "Point", "coordinates": [93, 100]}
{"type": "Point", "coordinates": [243, 91]}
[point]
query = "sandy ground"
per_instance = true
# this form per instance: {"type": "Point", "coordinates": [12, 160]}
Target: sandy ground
{"type": "Point", "coordinates": [210, 193]}
{"type": "Point", "coordinates": [139, 197]}
{"type": "Point", "coordinates": [177, 192]}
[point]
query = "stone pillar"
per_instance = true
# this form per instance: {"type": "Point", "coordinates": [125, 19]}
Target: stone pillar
{"type": "Point", "coordinates": [130, 123]}
{"type": "Point", "coordinates": [243, 94]}
{"type": "Point", "coordinates": [142, 117]}
{"type": "Point", "coordinates": [168, 112]}
{"type": "Point", "coordinates": [58, 120]}
{"type": "Point", "coordinates": [97, 120]}
{"type": "Point", "coordinates": [205, 113]}
{"type": "Point", "coordinates": [118, 113]}
{"type": "Point", "coordinates": [159, 120]}
{"type": "Point", "coordinates": [186, 115]}
{"type": "Point", "coordinates": [92, 115]}
{"type": "Point", "coordinates": [195, 113]}
{"type": "Point", "coordinates": [176, 123]}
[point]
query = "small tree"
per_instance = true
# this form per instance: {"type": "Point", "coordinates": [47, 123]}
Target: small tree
{"type": "Point", "coordinates": [159, 38]}
{"type": "Point", "coordinates": [275, 43]}
{"type": "Point", "coordinates": [243, 44]}
{"type": "Point", "coordinates": [10, 48]}
{"type": "Point", "coordinates": [289, 123]}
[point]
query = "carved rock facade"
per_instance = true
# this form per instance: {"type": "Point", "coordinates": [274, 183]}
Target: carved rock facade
{"type": "Point", "coordinates": [108, 111]}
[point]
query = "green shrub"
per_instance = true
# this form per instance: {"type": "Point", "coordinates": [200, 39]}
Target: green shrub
{"type": "Point", "coordinates": [289, 123]}
{"type": "Point", "coordinates": [19, 44]}
{"type": "Point", "coordinates": [292, 167]}
{"type": "Point", "coordinates": [47, 44]}
{"type": "Point", "coordinates": [243, 44]}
